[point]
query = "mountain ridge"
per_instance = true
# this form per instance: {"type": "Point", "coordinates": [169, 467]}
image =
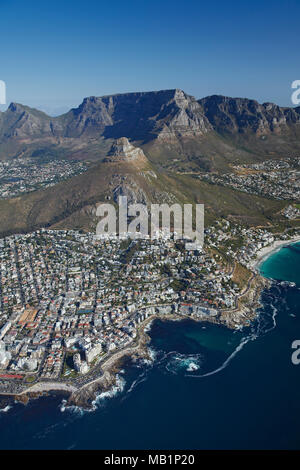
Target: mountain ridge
{"type": "Point", "coordinates": [169, 125]}
{"type": "Point", "coordinates": [149, 146]}
{"type": "Point", "coordinates": [269, 116]}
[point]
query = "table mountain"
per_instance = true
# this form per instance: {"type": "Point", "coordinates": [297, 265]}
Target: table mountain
{"type": "Point", "coordinates": [169, 126]}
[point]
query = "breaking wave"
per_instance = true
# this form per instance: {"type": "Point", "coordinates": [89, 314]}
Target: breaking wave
{"type": "Point", "coordinates": [5, 409]}
{"type": "Point", "coordinates": [98, 401]}
{"type": "Point", "coordinates": [112, 392]}
{"type": "Point", "coordinates": [180, 363]}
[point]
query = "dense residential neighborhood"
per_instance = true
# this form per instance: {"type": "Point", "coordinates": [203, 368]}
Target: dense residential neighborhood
{"type": "Point", "coordinates": [24, 175]}
{"type": "Point", "coordinates": [278, 179]}
{"type": "Point", "coordinates": [69, 299]}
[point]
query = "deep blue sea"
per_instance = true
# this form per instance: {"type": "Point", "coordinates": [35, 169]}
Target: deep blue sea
{"type": "Point", "coordinates": [207, 388]}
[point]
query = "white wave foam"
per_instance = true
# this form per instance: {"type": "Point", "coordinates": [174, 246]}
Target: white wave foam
{"type": "Point", "coordinates": [113, 391]}
{"type": "Point", "coordinates": [76, 410]}
{"type": "Point", "coordinates": [149, 326]}
{"type": "Point", "coordinates": [192, 367]}
{"type": "Point", "coordinates": [228, 360]}
{"type": "Point", "coordinates": [5, 409]}
{"type": "Point", "coordinates": [182, 362]}
{"type": "Point", "coordinates": [136, 382]}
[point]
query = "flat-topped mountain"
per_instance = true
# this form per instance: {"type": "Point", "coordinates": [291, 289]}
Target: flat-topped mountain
{"type": "Point", "coordinates": [168, 125]}
{"type": "Point", "coordinates": [149, 146]}
{"type": "Point", "coordinates": [139, 116]}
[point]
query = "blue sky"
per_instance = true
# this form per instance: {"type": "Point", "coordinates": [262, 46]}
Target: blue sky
{"type": "Point", "coordinates": [53, 54]}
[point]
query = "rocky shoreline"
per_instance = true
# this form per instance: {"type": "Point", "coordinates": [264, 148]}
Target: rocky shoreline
{"type": "Point", "coordinates": [84, 396]}
{"type": "Point", "coordinates": [244, 314]}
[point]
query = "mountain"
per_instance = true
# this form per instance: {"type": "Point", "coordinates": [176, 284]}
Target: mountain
{"type": "Point", "coordinates": [126, 171]}
{"type": "Point", "coordinates": [138, 116]}
{"type": "Point", "coordinates": [87, 131]}
{"type": "Point", "coordinates": [241, 115]}
{"type": "Point", "coordinates": [262, 130]}
{"type": "Point", "coordinates": [150, 147]}
{"type": "Point", "coordinates": [22, 122]}
{"type": "Point", "coordinates": [72, 203]}
{"type": "Point", "coordinates": [123, 151]}
{"type": "Point", "coordinates": [169, 125]}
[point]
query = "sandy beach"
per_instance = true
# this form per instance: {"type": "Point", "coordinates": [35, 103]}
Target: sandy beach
{"type": "Point", "coordinates": [264, 252]}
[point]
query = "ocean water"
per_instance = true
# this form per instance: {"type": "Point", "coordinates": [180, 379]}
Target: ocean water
{"type": "Point", "coordinates": [206, 388]}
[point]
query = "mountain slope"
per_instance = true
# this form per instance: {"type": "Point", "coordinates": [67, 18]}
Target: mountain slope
{"type": "Point", "coordinates": [127, 171]}
{"type": "Point", "coordinates": [260, 130]}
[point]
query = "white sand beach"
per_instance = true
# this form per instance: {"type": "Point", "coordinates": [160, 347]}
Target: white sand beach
{"type": "Point", "coordinates": [264, 252]}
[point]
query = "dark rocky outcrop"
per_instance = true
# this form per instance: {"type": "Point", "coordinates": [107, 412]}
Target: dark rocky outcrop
{"type": "Point", "coordinates": [123, 151]}
{"type": "Point", "coordinates": [241, 115]}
